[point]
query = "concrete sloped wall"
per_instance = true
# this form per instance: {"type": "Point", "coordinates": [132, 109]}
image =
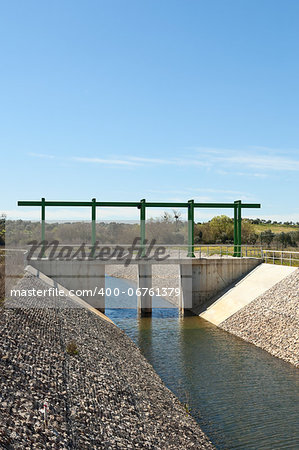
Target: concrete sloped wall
{"type": "Point", "coordinates": [254, 285]}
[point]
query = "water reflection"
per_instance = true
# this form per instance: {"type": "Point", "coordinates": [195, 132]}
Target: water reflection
{"type": "Point", "coordinates": [144, 340]}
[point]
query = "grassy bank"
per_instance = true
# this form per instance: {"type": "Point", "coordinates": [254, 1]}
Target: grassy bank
{"type": "Point", "coordinates": [275, 228]}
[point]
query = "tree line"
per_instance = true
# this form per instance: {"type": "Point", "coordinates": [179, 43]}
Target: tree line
{"type": "Point", "coordinates": [220, 230]}
{"type": "Point", "coordinates": [168, 229]}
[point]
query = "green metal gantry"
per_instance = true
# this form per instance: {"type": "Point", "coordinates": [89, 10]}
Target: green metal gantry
{"type": "Point", "coordinates": [142, 205]}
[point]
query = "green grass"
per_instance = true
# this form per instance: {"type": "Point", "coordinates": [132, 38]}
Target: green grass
{"type": "Point", "coordinates": [275, 228]}
{"type": "Point", "coordinates": [225, 250]}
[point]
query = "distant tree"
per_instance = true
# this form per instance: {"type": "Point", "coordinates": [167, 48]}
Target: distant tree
{"type": "Point", "coordinates": [267, 237]}
{"type": "Point", "coordinates": [167, 217]}
{"type": "Point", "coordinates": [2, 229]}
{"type": "Point", "coordinates": [222, 229]}
{"type": "Point", "coordinates": [287, 239]}
{"type": "Point", "coordinates": [248, 234]}
{"type": "Point", "coordinates": [177, 216]}
{"type": "Point", "coordinates": [252, 238]}
{"type": "Point", "coordinates": [198, 236]}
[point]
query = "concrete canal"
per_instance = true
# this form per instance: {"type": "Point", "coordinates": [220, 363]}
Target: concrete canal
{"type": "Point", "coordinates": [241, 396]}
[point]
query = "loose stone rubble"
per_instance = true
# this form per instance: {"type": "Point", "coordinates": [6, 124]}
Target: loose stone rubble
{"type": "Point", "coordinates": [101, 395]}
{"type": "Point", "coordinates": [272, 320]}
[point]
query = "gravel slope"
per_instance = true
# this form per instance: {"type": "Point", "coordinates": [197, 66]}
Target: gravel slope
{"type": "Point", "coordinates": [105, 397]}
{"type": "Point", "coordinates": [272, 320]}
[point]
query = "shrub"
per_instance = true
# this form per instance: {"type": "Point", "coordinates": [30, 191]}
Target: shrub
{"type": "Point", "coordinates": [72, 348]}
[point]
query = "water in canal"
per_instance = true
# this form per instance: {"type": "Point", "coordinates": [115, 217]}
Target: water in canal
{"type": "Point", "coordinates": [242, 397]}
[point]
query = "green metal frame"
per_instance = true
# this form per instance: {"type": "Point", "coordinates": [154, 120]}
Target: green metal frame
{"type": "Point", "coordinates": [191, 229]}
{"type": "Point", "coordinates": [142, 225]}
{"type": "Point", "coordinates": [142, 205]}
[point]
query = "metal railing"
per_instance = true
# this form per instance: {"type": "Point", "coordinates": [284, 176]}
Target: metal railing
{"type": "Point", "coordinates": [221, 250]}
{"type": "Point", "coordinates": [175, 250]}
{"type": "Point", "coordinates": [281, 257]}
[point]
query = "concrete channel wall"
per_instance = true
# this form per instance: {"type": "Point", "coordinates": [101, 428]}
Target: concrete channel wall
{"type": "Point", "coordinates": [199, 279]}
{"type": "Point", "coordinates": [211, 276]}
{"type": "Point", "coordinates": [256, 283]}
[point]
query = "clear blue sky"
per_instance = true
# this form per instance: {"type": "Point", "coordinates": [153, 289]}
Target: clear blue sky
{"type": "Point", "coordinates": [163, 100]}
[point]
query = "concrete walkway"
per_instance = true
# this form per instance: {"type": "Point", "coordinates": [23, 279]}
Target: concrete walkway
{"type": "Point", "coordinates": [249, 288]}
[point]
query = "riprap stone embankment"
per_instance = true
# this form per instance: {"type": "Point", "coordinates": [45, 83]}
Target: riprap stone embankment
{"type": "Point", "coordinates": [107, 396]}
{"type": "Point", "coordinates": [272, 320]}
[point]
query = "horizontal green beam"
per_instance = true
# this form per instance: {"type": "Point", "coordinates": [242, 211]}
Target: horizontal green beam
{"type": "Point", "coordinates": [137, 204]}
{"type": "Point", "coordinates": [47, 203]}
{"type": "Point", "coordinates": [199, 205]}
{"type": "Point", "coordinates": [226, 205]}
{"type": "Point", "coordinates": [50, 203]}
{"type": "Point", "coordinates": [166, 205]}
{"type": "Point", "coordinates": [119, 204]}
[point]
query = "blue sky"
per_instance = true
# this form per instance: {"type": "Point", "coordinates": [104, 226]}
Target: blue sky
{"type": "Point", "coordinates": [163, 100]}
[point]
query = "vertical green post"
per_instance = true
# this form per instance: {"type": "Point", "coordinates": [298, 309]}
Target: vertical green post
{"type": "Point", "coordinates": [43, 217]}
{"type": "Point", "coordinates": [142, 226]}
{"type": "Point", "coordinates": [239, 228]}
{"type": "Point", "coordinates": [236, 228]}
{"type": "Point", "coordinates": [191, 229]}
{"type": "Point", "coordinates": [93, 222]}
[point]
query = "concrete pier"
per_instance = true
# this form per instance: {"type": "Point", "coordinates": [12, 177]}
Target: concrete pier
{"type": "Point", "coordinates": [186, 283]}
{"type": "Point", "coordinates": [144, 300]}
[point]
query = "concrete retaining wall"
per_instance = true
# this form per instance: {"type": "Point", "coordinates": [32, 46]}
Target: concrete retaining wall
{"type": "Point", "coordinates": [212, 276]}
{"type": "Point", "coordinates": [200, 279]}
{"type": "Point", "coordinates": [76, 275]}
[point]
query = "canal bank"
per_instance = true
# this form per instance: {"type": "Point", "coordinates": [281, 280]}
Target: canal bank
{"type": "Point", "coordinates": [271, 321]}
{"type": "Point", "coordinates": [239, 394]}
{"type": "Point", "coordinates": [100, 391]}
